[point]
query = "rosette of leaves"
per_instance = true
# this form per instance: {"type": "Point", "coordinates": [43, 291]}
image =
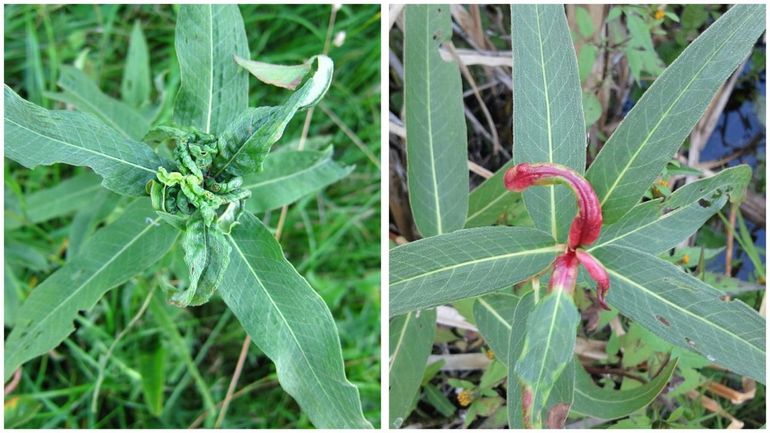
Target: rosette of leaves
{"type": "Point", "coordinates": [464, 255]}
{"type": "Point", "coordinates": [196, 183]}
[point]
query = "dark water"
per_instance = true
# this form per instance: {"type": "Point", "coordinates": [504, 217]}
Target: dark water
{"type": "Point", "coordinates": [738, 128]}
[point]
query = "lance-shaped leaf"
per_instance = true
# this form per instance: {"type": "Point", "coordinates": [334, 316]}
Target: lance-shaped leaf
{"type": "Point", "coordinates": [36, 136]}
{"type": "Point", "coordinates": [604, 403]}
{"type": "Point", "coordinates": [62, 199]}
{"type": "Point", "coordinates": [491, 199]}
{"type": "Point", "coordinates": [502, 320]}
{"type": "Point", "coordinates": [207, 254]}
{"type": "Point", "coordinates": [291, 324]}
{"type": "Point", "coordinates": [137, 82]}
{"type": "Point", "coordinates": [247, 140]}
{"type": "Point", "coordinates": [411, 340]}
{"type": "Point", "coordinates": [286, 76]}
{"type": "Point", "coordinates": [436, 141]}
{"type": "Point", "coordinates": [685, 311]}
{"type": "Point", "coordinates": [464, 264]}
{"type": "Point", "coordinates": [655, 128]}
{"type": "Point", "coordinates": [659, 225]}
{"type": "Point", "coordinates": [213, 89]}
{"type": "Point", "coordinates": [548, 123]}
{"type": "Point", "coordinates": [289, 176]}
{"type": "Point", "coordinates": [548, 347]}
{"type": "Point", "coordinates": [82, 92]}
{"type": "Point", "coordinates": [113, 255]}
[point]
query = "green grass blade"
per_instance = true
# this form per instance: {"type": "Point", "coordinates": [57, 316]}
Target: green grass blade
{"type": "Point", "coordinates": [291, 324]}
{"type": "Point", "coordinates": [463, 264]}
{"type": "Point", "coordinates": [411, 340]}
{"type": "Point", "coordinates": [62, 199]}
{"type": "Point", "coordinates": [548, 123]}
{"type": "Point", "coordinates": [214, 89]}
{"type": "Point", "coordinates": [82, 92]}
{"type": "Point", "coordinates": [654, 129]}
{"type": "Point", "coordinates": [289, 176]}
{"type": "Point", "coordinates": [437, 146]}
{"type": "Point", "coordinates": [36, 136]}
{"type": "Point", "coordinates": [685, 311]}
{"type": "Point", "coordinates": [116, 253]}
{"type": "Point", "coordinates": [136, 84]}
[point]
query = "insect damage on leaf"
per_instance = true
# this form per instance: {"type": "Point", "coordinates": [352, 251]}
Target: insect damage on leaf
{"type": "Point", "coordinates": [192, 199]}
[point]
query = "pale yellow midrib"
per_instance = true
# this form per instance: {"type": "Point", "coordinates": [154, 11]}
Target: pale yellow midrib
{"type": "Point", "coordinates": [665, 114]}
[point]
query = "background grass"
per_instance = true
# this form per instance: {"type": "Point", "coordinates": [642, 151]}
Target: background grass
{"type": "Point", "coordinates": [331, 237]}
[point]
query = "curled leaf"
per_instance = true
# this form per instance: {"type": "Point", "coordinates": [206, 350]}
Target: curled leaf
{"type": "Point", "coordinates": [587, 224]}
{"type": "Point", "coordinates": [286, 76]}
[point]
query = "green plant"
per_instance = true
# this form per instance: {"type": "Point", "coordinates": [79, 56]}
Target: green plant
{"type": "Point", "coordinates": [533, 333]}
{"type": "Point", "coordinates": [203, 191]}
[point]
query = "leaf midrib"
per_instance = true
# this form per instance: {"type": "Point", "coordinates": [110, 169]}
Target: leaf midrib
{"type": "Point", "coordinates": [537, 251]}
{"type": "Point", "coordinates": [668, 110]}
{"type": "Point", "coordinates": [76, 291]}
{"type": "Point", "coordinates": [711, 325]}
{"type": "Point", "coordinates": [428, 88]}
{"type": "Point", "coordinates": [211, 69]}
{"type": "Point", "coordinates": [335, 402]}
{"type": "Point", "coordinates": [537, 384]}
{"type": "Point", "coordinates": [80, 148]}
{"type": "Point", "coordinates": [317, 164]}
{"type": "Point", "coordinates": [400, 341]}
{"type": "Point", "coordinates": [549, 126]}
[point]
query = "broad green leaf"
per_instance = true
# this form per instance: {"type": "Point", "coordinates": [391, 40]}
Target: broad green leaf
{"type": "Point", "coordinates": [286, 76]}
{"type": "Point", "coordinates": [213, 89]}
{"type": "Point", "coordinates": [36, 136]}
{"type": "Point", "coordinates": [411, 339]}
{"type": "Point", "coordinates": [82, 92]}
{"type": "Point", "coordinates": [436, 141]}
{"type": "Point", "coordinates": [463, 264]}
{"type": "Point", "coordinates": [548, 124]}
{"type": "Point", "coordinates": [116, 253]}
{"type": "Point", "coordinates": [604, 403]}
{"type": "Point", "coordinates": [137, 82]}
{"type": "Point", "coordinates": [291, 324]}
{"type": "Point", "coordinates": [659, 225]}
{"type": "Point", "coordinates": [289, 176]}
{"type": "Point", "coordinates": [62, 199]}
{"type": "Point", "coordinates": [685, 311]}
{"type": "Point", "coordinates": [494, 314]}
{"type": "Point", "coordinates": [490, 200]}
{"type": "Point", "coordinates": [655, 128]}
{"type": "Point", "coordinates": [152, 367]}
{"type": "Point", "coordinates": [549, 344]}
{"type": "Point", "coordinates": [247, 140]}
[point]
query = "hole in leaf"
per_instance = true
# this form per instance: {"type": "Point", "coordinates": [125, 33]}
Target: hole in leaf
{"type": "Point", "coordinates": [704, 203]}
{"type": "Point", "coordinates": [690, 342]}
{"type": "Point", "coordinates": [663, 320]}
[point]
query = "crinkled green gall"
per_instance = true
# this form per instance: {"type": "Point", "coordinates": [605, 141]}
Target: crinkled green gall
{"type": "Point", "coordinates": [192, 199]}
